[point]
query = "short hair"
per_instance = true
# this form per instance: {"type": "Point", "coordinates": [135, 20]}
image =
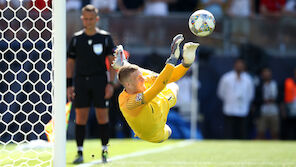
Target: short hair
{"type": "Point", "coordinates": [125, 71]}
{"type": "Point", "coordinates": [90, 8]}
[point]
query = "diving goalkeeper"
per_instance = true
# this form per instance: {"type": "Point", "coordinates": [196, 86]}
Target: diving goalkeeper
{"type": "Point", "coordinates": [148, 96]}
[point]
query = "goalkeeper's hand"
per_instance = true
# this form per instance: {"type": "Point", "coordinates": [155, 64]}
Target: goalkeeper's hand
{"type": "Point", "coordinates": [120, 59]}
{"type": "Point", "coordinates": [175, 49]}
{"type": "Point", "coordinates": [189, 53]}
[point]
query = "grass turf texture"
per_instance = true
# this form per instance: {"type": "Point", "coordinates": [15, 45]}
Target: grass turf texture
{"type": "Point", "coordinates": [177, 153]}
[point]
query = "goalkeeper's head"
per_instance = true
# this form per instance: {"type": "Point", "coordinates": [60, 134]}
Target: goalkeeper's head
{"type": "Point", "coordinates": [131, 78]}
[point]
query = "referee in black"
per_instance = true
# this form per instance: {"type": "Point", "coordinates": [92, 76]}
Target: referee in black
{"type": "Point", "coordinates": [92, 84]}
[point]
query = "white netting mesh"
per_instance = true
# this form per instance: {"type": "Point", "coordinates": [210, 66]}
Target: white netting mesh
{"type": "Point", "coordinates": [25, 81]}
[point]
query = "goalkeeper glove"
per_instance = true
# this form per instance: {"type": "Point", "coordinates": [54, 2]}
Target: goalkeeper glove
{"type": "Point", "coordinates": [120, 59]}
{"type": "Point", "coordinates": [189, 53]}
{"type": "Point", "coordinates": [175, 50]}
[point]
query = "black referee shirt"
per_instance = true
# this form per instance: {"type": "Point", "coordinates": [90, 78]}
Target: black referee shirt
{"type": "Point", "coordinates": [90, 52]}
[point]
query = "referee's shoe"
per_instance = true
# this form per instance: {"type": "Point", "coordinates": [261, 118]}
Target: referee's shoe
{"type": "Point", "coordinates": [104, 156]}
{"type": "Point", "coordinates": [79, 158]}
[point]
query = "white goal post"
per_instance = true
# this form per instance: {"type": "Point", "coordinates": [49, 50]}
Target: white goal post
{"type": "Point", "coordinates": [59, 84]}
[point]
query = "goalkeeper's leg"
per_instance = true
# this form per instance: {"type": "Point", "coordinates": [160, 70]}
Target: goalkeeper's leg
{"type": "Point", "coordinates": [188, 58]}
{"type": "Point", "coordinates": [178, 73]}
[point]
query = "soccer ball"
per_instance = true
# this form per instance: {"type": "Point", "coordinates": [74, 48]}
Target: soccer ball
{"type": "Point", "coordinates": [202, 23]}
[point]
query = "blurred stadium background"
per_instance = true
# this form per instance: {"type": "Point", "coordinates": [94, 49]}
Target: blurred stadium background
{"type": "Point", "coordinates": [262, 39]}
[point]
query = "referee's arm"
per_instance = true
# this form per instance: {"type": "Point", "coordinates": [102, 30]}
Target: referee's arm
{"type": "Point", "coordinates": [70, 67]}
{"type": "Point", "coordinates": [69, 74]}
{"type": "Point", "coordinates": [109, 90]}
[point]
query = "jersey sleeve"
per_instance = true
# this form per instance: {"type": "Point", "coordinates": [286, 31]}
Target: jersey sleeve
{"type": "Point", "coordinates": [134, 101]}
{"type": "Point", "coordinates": [159, 84]}
{"type": "Point", "coordinates": [71, 53]}
{"type": "Point", "coordinates": [131, 104]}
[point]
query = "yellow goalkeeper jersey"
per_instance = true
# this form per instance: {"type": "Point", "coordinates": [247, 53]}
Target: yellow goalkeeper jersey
{"type": "Point", "coordinates": [146, 112]}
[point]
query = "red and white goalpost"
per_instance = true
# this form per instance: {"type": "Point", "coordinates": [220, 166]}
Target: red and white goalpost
{"type": "Point", "coordinates": [32, 85]}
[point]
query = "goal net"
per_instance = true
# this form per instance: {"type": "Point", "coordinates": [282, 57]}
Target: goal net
{"type": "Point", "coordinates": [29, 78]}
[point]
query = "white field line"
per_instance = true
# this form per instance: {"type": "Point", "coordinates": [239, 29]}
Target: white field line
{"type": "Point", "coordinates": [207, 163]}
{"type": "Point", "coordinates": [141, 153]}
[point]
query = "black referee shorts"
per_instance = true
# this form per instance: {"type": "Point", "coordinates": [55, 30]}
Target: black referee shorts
{"type": "Point", "coordinates": [90, 90]}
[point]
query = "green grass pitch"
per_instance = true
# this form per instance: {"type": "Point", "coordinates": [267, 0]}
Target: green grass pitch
{"type": "Point", "coordinates": [182, 153]}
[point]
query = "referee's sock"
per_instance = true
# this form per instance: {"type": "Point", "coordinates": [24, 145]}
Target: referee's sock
{"type": "Point", "coordinates": [80, 134]}
{"type": "Point", "coordinates": [104, 134]}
